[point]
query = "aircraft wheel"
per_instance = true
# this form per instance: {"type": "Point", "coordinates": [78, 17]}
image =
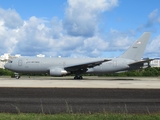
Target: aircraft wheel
{"type": "Point", "coordinates": [77, 77]}
{"type": "Point", "coordinates": [17, 77]}
{"type": "Point", "coordinates": [80, 77]}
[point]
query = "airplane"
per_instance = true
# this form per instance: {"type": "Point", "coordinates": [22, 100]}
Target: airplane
{"type": "Point", "coordinates": [129, 60]}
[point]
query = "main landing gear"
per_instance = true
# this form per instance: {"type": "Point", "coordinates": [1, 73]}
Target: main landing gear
{"type": "Point", "coordinates": [17, 76]}
{"type": "Point", "coordinates": [78, 77]}
{"type": "Point", "coordinates": [78, 73]}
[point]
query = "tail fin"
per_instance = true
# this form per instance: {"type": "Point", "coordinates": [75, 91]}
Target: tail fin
{"type": "Point", "coordinates": [136, 51]}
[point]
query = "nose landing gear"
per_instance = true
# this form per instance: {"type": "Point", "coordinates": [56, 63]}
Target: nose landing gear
{"type": "Point", "coordinates": [17, 76]}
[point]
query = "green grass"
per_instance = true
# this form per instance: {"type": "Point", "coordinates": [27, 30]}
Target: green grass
{"type": "Point", "coordinates": [105, 116]}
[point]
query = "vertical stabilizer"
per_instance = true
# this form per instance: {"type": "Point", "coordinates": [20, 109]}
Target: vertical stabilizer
{"type": "Point", "coordinates": [136, 51]}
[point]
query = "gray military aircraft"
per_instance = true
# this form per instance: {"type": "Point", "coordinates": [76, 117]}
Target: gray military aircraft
{"type": "Point", "coordinates": [129, 60]}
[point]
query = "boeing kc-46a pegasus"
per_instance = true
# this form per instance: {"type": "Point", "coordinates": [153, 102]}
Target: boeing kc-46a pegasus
{"type": "Point", "coordinates": [129, 60]}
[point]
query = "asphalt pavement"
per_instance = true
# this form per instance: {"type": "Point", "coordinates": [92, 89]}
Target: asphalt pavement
{"type": "Point", "coordinates": [79, 100]}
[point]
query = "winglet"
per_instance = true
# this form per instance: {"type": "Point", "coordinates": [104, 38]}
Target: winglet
{"type": "Point", "coordinates": [136, 51]}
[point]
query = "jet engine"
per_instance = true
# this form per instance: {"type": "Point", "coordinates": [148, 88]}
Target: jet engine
{"type": "Point", "coordinates": [57, 72]}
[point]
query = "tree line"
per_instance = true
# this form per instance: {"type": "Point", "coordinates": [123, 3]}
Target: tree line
{"type": "Point", "coordinates": [152, 71]}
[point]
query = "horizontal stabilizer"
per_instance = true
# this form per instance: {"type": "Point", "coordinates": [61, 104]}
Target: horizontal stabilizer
{"type": "Point", "coordinates": [140, 63]}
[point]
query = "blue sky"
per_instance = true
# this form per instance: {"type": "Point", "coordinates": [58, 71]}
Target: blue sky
{"type": "Point", "coordinates": [77, 28]}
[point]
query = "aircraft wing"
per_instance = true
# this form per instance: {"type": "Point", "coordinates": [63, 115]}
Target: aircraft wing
{"type": "Point", "coordinates": [140, 63]}
{"type": "Point", "coordinates": [85, 65]}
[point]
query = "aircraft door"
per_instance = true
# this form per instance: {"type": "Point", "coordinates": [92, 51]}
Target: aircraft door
{"type": "Point", "coordinates": [26, 63]}
{"type": "Point", "coordinates": [20, 63]}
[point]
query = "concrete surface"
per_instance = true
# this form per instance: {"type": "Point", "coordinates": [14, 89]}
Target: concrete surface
{"type": "Point", "coordinates": [87, 82]}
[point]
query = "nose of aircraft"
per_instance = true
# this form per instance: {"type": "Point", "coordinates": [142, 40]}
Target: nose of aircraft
{"type": "Point", "coordinates": [6, 66]}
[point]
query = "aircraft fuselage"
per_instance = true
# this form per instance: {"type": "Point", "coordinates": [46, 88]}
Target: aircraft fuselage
{"type": "Point", "coordinates": [44, 65]}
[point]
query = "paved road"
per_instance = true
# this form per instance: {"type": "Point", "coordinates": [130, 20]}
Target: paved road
{"type": "Point", "coordinates": [83, 100]}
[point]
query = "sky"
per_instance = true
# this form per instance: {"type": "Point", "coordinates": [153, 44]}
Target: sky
{"type": "Point", "coordinates": [78, 28]}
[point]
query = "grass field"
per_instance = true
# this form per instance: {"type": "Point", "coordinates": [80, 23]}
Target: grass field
{"type": "Point", "coordinates": [104, 116]}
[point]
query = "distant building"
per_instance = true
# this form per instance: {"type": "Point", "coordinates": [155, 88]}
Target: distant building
{"type": "Point", "coordinates": [17, 55]}
{"type": "Point", "coordinates": [40, 55]}
{"type": "Point", "coordinates": [155, 62]}
{"type": "Point", "coordinates": [5, 57]}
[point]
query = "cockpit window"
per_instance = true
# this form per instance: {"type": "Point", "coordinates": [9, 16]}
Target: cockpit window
{"type": "Point", "coordinates": [10, 61]}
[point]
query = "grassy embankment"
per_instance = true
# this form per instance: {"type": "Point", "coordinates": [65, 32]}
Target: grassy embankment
{"type": "Point", "coordinates": [98, 116]}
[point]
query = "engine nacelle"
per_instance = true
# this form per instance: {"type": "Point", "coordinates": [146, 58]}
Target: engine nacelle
{"type": "Point", "coordinates": [57, 72]}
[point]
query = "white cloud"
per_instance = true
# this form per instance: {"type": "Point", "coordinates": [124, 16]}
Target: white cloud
{"type": "Point", "coordinates": [34, 37]}
{"type": "Point", "coordinates": [95, 43]}
{"type": "Point", "coordinates": [158, 19]}
{"type": "Point", "coordinates": [153, 18]}
{"type": "Point", "coordinates": [7, 38]}
{"type": "Point", "coordinates": [82, 16]}
{"type": "Point", "coordinates": [40, 36]}
{"type": "Point", "coordinates": [120, 40]}
{"type": "Point", "coordinates": [77, 35]}
{"type": "Point", "coordinates": [153, 14]}
{"type": "Point", "coordinates": [10, 18]}
{"type": "Point", "coordinates": [93, 6]}
{"type": "Point", "coordinates": [154, 47]}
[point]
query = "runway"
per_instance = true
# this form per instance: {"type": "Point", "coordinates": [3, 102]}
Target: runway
{"type": "Point", "coordinates": [87, 82]}
{"type": "Point", "coordinates": [34, 95]}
